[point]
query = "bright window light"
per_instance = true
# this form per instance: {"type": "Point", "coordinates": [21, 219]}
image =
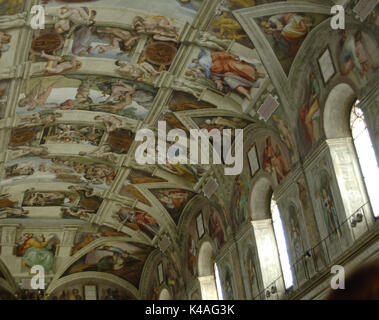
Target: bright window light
{"type": "Point", "coordinates": [282, 245]}
{"type": "Point", "coordinates": [366, 155]}
{"type": "Point", "coordinates": [218, 283]}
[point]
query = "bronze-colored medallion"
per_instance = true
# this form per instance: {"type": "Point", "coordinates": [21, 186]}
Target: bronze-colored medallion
{"type": "Point", "coordinates": [48, 42]}
{"type": "Point", "coordinates": [22, 136]}
{"type": "Point", "coordinates": [121, 140]}
{"type": "Point", "coordinates": [90, 203]}
{"type": "Point", "coordinates": [160, 53]}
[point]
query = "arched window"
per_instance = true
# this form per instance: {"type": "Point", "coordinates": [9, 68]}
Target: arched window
{"type": "Point", "coordinates": [207, 276]}
{"type": "Point", "coordinates": [218, 283]}
{"type": "Point", "coordinates": [281, 244]}
{"type": "Point", "coordinates": [366, 155]}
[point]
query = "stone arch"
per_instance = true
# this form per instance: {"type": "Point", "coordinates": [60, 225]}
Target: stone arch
{"type": "Point", "coordinates": [62, 272]}
{"type": "Point", "coordinates": [337, 111]}
{"type": "Point", "coordinates": [4, 285]}
{"type": "Point", "coordinates": [346, 166]}
{"type": "Point", "coordinates": [91, 246]}
{"type": "Point", "coordinates": [150, 285]}
{"type": "Point", "coordinates": [92, 277]}
{"type": "Point", "coordinates": [265, 238]}
{"type": "Point", "coordinates": [7, 282]}
{"type": "Point", "coordinates": [260, 197]}
{"type": "Point", "coordinates": [165, 295]}
{"type": "Point", "coordinates": [205, 263]}
{"type": "Point", "coordinates": [148, 273]}
{"type": "Point", "coordinates": [193, 207]}
{"type": "Point", "coordinates": [199, 251]}
{"type": "Point", "coordinates": [205, 259]}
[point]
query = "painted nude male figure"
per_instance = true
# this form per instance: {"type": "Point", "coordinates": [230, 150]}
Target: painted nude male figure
{"type": "Point", "coordinates": [58, 65]}
{"type": "Point", "coordinates": [37, 97]}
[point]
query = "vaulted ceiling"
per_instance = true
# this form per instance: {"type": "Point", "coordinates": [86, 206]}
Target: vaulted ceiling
{"type": "Point", "coordinates": [68, 126]}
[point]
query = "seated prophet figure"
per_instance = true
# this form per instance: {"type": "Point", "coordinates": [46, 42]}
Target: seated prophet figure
{"type": "Point", "coordinates": [354, 55]}
{"type": "Point", "coordinates": [274, 161]}
{"type": "Point", "coordinates": [310, 110]}
{"type": "Point", "coordinates": [292, 27]}
{"type": "Point", "coordinates": [35, 250]}
{"type": "Point", "coordinates": [227, 69]}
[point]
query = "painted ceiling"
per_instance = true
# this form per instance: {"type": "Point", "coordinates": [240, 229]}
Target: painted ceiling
{"type": "Point", "coordinates": [83, 86]}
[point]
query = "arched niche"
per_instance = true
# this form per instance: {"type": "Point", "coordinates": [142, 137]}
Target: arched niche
{"type": "Point", "coordinates": [144, 250]}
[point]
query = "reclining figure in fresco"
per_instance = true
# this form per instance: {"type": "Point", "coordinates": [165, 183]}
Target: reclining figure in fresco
{"type": "Point", "coordinates": [102, 153]}
{"type": "Point", "coordinates": [188, 86]}
{"type": "Point", "coordinates": [6, 212]}
{"type": "Point", "coordinates": [77, 212]}
{"type": "Point", "coordinates": [111, 123]}
{"type": "Point", "coordinates": [158, 26]}
{"type": "Point", "coordinates": [210, 41]}
{"type": "Point", "coordinates": [60, 64]}
{"type": "Point", "coordinates": [40, 119]}
{"type": "Point", "coordinates": [27, 150]}
{"type": "Point", "coordinates": [125, 101]}
{"type": "Point", "coordinates": [136, 71]}
{"type": "Point", "coordinates": [121, 39]}
{"type": "Point", "coordinates": [88, 192]}
{"type": "Point", "coordinates": [119, 89]}
{"type": "Point", "coordinates": [37, 97]}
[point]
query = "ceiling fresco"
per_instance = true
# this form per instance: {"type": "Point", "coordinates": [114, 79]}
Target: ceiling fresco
{"type": "Point", "coordinates": [286, 33]}
{"type": "Point", "coordinates": [123, 259]}
{"type": "Point", "coordinates": [74, 95]}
